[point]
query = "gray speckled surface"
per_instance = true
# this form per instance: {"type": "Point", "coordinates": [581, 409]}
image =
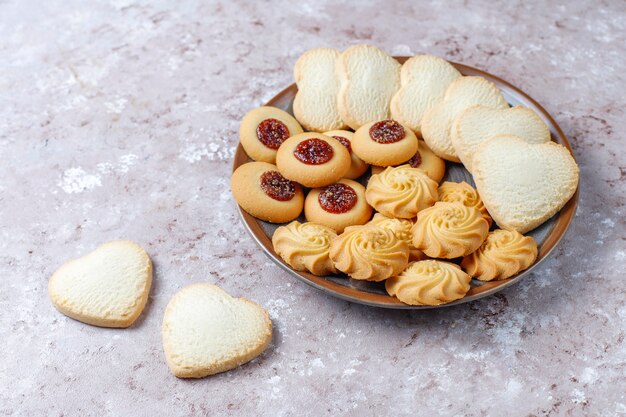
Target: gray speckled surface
{"type": "Point", "coordinates": [119, 119]}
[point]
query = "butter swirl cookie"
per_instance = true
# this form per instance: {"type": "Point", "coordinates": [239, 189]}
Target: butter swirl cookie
{"type": "Point", "coordinates": [402, 229]}
{"type": "Point", "coordinates": [429, 282]}
{"type": "Point", "coordinates": [462, 192]}
{"type": "Point", "coordinates": [305, 246]}
{"type": "Point", "coordinates": [369, 253]}
{"type": "Point", "coordinates": [502, 255]}
{"type": "Point", "coordinates": [401, 192]}
{"type": "Point", "coordinates": [449, 230]}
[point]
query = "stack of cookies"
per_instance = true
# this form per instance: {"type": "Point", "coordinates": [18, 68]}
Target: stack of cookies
{"type": "Point", "coordinates": [427, 240]}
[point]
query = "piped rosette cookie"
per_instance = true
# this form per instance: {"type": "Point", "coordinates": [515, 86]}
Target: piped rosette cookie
{"type": "Point", "coordinates": [401, 192]}
{"type": "Point", "coordinates": [263, 192]}
{"type": "Point", "coordinates": [429, 282]}
{"type": "Point", "coordinates": [338, 205]}
{"type": "Point", "coordinates": [313, 159]}
{"type": "Point", "coordinates": [503, 254]}
{"type": "Point", "coordinates": [425, 160]}
{"type": "Point", "coordinates": [384, 143]}
{"type": "Point", "coordinates": [449, 230]}
{"type": "Point", "coordinates": [369, 253]}
{"type": "Point", "coordinates": [402, 229]}
{"type": "Point", "coordinates": [305, 246]}
{"type": "Point", "coordinates": [264, 129]}
{"type": "Point", "coordinates": [462, 192]}
{"type": "Point", "coordinates": [357, 165]}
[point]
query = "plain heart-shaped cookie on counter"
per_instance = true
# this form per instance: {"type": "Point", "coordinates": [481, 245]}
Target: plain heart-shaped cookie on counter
{"type": "Point", "coordinates": [206, 331]}
{"type": "Point", "coordinates": [108, 287]}
{"type": "Point", "coordinates": [521, 184]}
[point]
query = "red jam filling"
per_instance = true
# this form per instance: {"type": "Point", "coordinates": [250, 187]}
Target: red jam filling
{"type": "Point", "coordinates": [272, 133]}
{"type": "Point", "coordinates": [337, 198]}
{"type": "Point", "coordinates": [313, 152]}
{"type": "Point", "coordinates": [387, 131]}
{"type": "Point", "coordinates": [276, 186]}
{"type": "Point", "coordinates": [345, 142]}
{"type": "Point", "coordinates": [416, 161]}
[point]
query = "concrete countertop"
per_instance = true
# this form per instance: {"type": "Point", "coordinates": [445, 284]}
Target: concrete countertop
{"type": "Point", "coordinates": [119, 119]}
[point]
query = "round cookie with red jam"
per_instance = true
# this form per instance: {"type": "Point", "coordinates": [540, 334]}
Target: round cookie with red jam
{"type": "Point", "coordinates": [357, 165]}
{"type": "Point", "coordinates": [384, 143]}
{"type": "Point", "coordinates": [263, 192]}
{"type": "Point", "coordinates": [264, 129]}
{"type": "Point", "coordinates": [313, 159]}
{"type": "Point", "coordinates": [338, 205]}
{"type": "Point", "coordinates": [425, 160]}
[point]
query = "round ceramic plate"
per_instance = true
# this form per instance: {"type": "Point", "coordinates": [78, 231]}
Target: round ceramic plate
{"type": "Point", "coordinates": [547, 235]}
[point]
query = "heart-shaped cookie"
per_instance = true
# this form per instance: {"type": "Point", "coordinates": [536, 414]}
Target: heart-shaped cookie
{"type": "Point", "coordinates": [522, 184]}
{"type": "Point", "coordinates": [108, 287]}
{"type": "Point", "coordinates": [206, 331]}
{"type": "Point", "coordinates": [476, 124]}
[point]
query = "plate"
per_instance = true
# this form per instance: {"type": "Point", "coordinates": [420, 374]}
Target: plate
{"type": "Point", "coordinates": [548, 235]}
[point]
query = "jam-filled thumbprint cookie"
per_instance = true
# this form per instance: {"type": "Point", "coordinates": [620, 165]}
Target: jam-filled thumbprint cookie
{"type": "Point", "coordinates": [264, 129]}
{"type": "Point", "coordinates": [263, 192]}
{"type": "Point", "coordinates": [425, 160]}
{"type": "Point", "coordinates": [384, 143]}
{"type": "Point", "coordinates": [313, 159]}
{"type": "Point", "coordinates": [357, 165]}
{"type": "Point", "coordinates": [338, 205]}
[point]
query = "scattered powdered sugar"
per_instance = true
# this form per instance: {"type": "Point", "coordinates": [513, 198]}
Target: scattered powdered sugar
{"type": "Point", "coordinates": [578, 396]}
{"type": "Point", "coordinates": [76, 180]}
{"type": "Point", "coordinates": [121, 167]}
{"type": "Point", "coordinates": [213, 151]}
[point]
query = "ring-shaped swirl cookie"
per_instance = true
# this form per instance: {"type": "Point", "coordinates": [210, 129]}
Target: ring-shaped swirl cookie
{"type": "Point", "coordinates": [402, 229]}
{"type": "Point", "coordinates": [462, 192]}
{"type": "Point", "coordinates": [401, 192]}
{"type": "Point", "coordinates": [502, 255]}
{"type": "Point", "coordinates": [305, 246]}
{"type": "Point", "coordinates": [449, 230]}
{"type": "Point", "coordinates": [429, 282]}
{"type": "Point", "coordinates": [369, 253]}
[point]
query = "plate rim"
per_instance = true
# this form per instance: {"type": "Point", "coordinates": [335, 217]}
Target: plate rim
{"type": "Point", "coordinates": [563, 222]}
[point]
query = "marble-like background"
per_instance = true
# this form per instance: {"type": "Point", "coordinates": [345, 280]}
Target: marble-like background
{"type": "Point", "coordinates": [119, 119]}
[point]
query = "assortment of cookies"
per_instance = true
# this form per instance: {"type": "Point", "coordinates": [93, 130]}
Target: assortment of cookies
{"type": "Point", "coordinates": [360, 108]}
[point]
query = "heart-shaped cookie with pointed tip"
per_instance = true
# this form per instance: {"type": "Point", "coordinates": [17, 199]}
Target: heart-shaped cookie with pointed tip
{"type": "Point", "coordinates": [523, 184]}
{"type": "Point", "coordinates": [206, 331]}
{"type": "Point", "coordinates": [108, 287]}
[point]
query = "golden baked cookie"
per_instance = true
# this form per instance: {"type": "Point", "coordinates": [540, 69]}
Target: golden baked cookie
{"type": "Point", "coordinates": [462, 192]}
{"type": "Point", "coordinates": [384, 143]}
{"type": "Point", "coordinates": [264, 129]}
{"type": "Point", "coordinates": [313, 159]}
{"type": "Point", "coordinates": [449, 230]}
{"type": "Point", "coordinates": [305, 246]}
{"type": "Point", "coordinates": [263, 192]}
{"type": "Point", "coordinates": [425, 160]}
{"type": "Point", "coordinates": [338, 205]}
{"type": "Point", "coordinates": [402, 229]}
{"type": "Point", "coordinates": [369, 253]}
{"type": "Point", "coordinates": [401, 192]}
{"type": "Point", "coordinates": [357, 166]}
{"type": "Point", "coordinates": [429, 282]}
{"type": "Point", "coordinates": [502, 255]}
